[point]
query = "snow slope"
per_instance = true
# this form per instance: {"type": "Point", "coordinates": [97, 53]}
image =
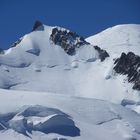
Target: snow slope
{"type": "Point", "coordinates": [45, 85]}
{"type": "Point", "coordinates": [96, 119]}
{"type": "Point", "coordinates": [35, 53]}
{"type": "Point", "coordinates": [118, 39]}
{"type": "Point", "coordinates": [36, 64]}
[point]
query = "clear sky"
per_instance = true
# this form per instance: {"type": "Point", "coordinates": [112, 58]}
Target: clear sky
{"type": "Point", "coordinates": [86, 17]}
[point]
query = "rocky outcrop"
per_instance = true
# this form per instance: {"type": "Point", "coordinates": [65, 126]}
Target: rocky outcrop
{"type": "Point", "coordinates": [102, 53]}
{"type": "Point", "coordinates": [1, 51]}
{"type": "Point", "coordinates": [129, 64]}
{"type": "Point", "coordinates": [38, 26]}
{"type": "Point", "coordinates": [69, 41]}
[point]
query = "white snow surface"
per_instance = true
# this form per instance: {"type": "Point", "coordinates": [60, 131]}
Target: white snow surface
{"type": "Point", "coordinates": [37, 72]}
{"type": "Point", "coordinates": [118, 39]}
{"type": "Point", "coordinates": [96, 119]}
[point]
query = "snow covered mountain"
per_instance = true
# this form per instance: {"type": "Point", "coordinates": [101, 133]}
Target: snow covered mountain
{"type": "Point", "coordinates": [41, 116]}
{"type": "Point", "coordinates": [66, 77]}
{"type": "Point", "coordinates": [44, 58]}
{"type": "Point", "coordinates": [54, 59]}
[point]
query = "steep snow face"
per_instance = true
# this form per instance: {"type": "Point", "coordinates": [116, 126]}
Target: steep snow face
{"type": "Point", "coordinates": [32, 45]}
{"type": "Point", "coordinates": [35, 52]}
{"type": "Point", "coordinates": [37, 48]}
{"type": "Point", "coordinates": [38, 62]}
{"type": "Point", "coordinates": [42, 116]}
{"type": "Point", "coordinates": [118, 39]}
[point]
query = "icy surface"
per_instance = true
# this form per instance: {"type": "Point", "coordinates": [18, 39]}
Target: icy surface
{"type": "Point", "coordinates": [69, 88]}
{"type": "Point", "coordinates": [96, 119]}
{"type": "Point", "coordinates": [118, 39]}
{"type": "Point", "coordinates": [39, 118]}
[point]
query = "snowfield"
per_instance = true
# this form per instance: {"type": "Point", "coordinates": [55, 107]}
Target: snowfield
{"type": "Point", "coordinates": [118, 39]}
{"type": "Point", "coordinates": [95, 119]}
{"type": "Point", "coordinates": [47, 94]}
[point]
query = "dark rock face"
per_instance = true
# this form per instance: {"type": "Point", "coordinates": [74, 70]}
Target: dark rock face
{"type": "Point", "coordinates": [16, 43]}
{"type": "Point", "coordinates": [1, 51]}
{"type": "Point", "coordinates": [102, 53]}
{"type": "Point", "coordinates": [68, 40]}
{"type": "Point", "coordinates": [129, 64]}
{"type": "Point", "coordinates": [38, 26]}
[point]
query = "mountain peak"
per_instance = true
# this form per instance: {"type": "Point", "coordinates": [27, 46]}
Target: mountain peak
{"type": "Point", "coordinates": [38, 26]}
{"type": "Point", "coordinates": [57, 56]}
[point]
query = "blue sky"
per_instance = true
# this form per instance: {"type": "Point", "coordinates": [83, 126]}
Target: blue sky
{"type": "Point", "coordinates": [86, 17]}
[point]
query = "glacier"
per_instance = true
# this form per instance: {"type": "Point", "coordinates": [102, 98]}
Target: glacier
{"type": "Point", "coordinates": [56, 70]}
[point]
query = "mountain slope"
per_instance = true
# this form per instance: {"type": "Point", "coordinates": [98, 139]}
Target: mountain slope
{"type": "Point", "coordinates": [122, 42]}
{"type": "Point", "coordinates": [118, 39]}
{"type": "Point", "coordinates": [64, 77]}
{"type": "Point", "coordinates": [95, 119]}
{"type": "Point", "coordinates": [35, 52]}
{"type": "Point", "coordinates": [36, 63]}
